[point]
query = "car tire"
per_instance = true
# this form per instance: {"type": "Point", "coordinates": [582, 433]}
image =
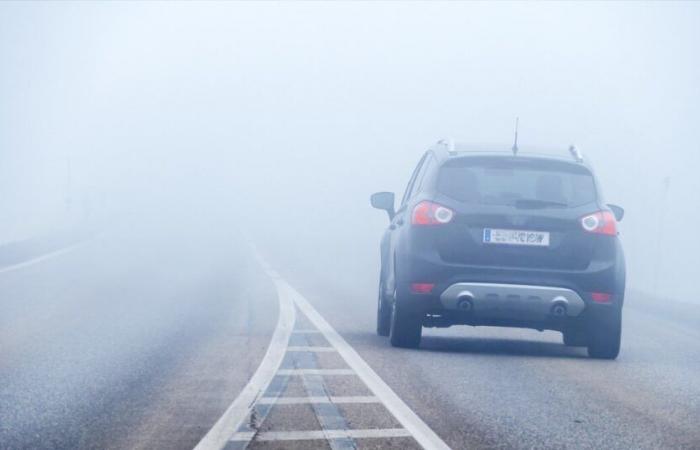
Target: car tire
{"type": "Point", "coordinates": [604, 341]}
{"type": "Point", "coordinates": [575, 337]}
{"type": "Point", "coordinates": [406, 326]}
{"type": "Point", "coordinates": [383, 313]}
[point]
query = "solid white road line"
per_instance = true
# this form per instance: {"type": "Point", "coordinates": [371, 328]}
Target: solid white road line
{"type": "Point", "coordinates": [308, 400]}
{"type": "Point", "coordinates": [310, 349]}
{"type": "Point", "coordinates": [41, 258]}
{"type": "Point", "coordinates": [322, 434]}
{"type": "Point", "coordinates": [225, 428]}
{"type": "Point", "coordinates": [426, 437]}
{"type": "Point", "coordinates": [238, 411]}
{"type": "Point", "coordinates": [315, 372]}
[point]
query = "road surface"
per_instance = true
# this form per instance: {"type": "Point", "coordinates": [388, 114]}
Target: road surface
{"type": "Point", "coordinates": [143, 339]}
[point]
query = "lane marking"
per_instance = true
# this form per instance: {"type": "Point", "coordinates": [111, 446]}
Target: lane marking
{"type": "Point", "coordinates": [329, 372]}
{"type": "Point", "coordinates": [322, 434]}
{"type": "Point", "coordinates": [230, 428]}
{"type": "Point", "coordinates": [425, 436]}
{"type": "Point", "coordinates": [328, 415]}
{"type": "Point", "coordinates": [306, 332]}
{"type": "Point", "coordinates": [300, 348]}
{"type": "Point", "coordinates": [238, 411]}
{"type": "Point", "coordinates": [309, 400]}
{"type": "Point", "coordinates": [42, 258]}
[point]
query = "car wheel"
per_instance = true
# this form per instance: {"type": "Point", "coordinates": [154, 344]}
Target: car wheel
{"type": "Point", "coordinates": [575, 337]}
{"type": "Point", "coordinates": [406, 327]}
{"type": "Point", "coordinates": [383, 313]}
{"type": "Point", "coordinates": [604, 340]}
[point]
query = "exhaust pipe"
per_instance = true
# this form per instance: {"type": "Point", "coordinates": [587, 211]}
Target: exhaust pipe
{"type": "Point", "coordinates": [465, 303]}
{"type": "Point", "coordinates": [559, 310]}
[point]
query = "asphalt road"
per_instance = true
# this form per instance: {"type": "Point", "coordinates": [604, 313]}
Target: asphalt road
{"type": "Point", "coordinates": [482, 387]}
{"type": "Point", "coordinates": [137, 339]}
{"type": "Point", "coordinates": [131, 341]}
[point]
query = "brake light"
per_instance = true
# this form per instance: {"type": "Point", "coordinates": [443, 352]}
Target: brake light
{"type": "Point", "coordinates": [422, 288]}
{"type": "Point", "coordinates": [601, 297]}
{"type": "Point", "coordinates": [602, 222]}
{"type": "Point", "coordinates": [429, 213]}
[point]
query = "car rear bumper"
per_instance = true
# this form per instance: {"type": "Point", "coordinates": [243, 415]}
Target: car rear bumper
{"type": "Point", "coordinates": [510, 296]}
{"type": "Point", "coordinates": [512, 301]}
{"type": "Point", "coordinates": [427, 267]}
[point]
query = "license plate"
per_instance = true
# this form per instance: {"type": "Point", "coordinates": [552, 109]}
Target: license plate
{"type": "Point", "coordinates": [516, 237]}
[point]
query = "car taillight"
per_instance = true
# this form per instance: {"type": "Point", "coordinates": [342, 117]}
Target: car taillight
{"type": "Point", "coordinates": [422, 288]}
{"type": "Point", "coordinates": [602, 222]}
{"type": "Point", "coordinates": [429, 213]}
{"type": "Point", "coordinates": [601, 297]}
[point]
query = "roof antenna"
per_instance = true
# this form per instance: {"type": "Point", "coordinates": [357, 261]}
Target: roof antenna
{"type": "Point", "coordinates": [515, 143]}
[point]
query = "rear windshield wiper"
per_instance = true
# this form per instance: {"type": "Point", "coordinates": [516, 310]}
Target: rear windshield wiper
{"type": "Point", "coordinates": [533, 203]}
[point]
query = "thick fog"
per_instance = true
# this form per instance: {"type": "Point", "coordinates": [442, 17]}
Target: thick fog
{"type": "Point", "coordinates": [282, 119]}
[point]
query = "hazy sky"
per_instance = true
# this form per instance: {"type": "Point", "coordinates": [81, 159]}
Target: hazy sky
{"type": "Point", "coordinates": [299, 110]}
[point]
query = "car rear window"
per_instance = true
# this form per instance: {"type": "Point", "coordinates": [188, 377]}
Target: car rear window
{"type": "Point", "coordinates": [517, 181]}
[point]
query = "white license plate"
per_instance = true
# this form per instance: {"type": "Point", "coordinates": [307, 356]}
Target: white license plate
{"type": "Point", "coordinates": [516, 237]}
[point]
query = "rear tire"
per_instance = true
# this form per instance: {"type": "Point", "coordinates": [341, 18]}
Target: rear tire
{"type": "Point", "coordinates": [575, 337]}
{"type": "Point", "coordinates": [406, 326]}
{"type": "Point", "coordinates": [604, 341]}
{"type": "Point", "coordinates": [383, 313]}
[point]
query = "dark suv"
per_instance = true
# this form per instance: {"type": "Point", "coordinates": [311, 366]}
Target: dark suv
{"type": "Point", "coordinates": [502, 238]}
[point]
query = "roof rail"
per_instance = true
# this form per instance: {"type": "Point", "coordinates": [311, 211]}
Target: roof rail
{"type": "Point", "coordinates": [449, 143]}
{"type": "Point", "coordinates": [576, 154]}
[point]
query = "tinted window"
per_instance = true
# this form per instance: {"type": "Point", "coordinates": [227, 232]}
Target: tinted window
{"type": "Point", "coordinates": [409, 189]}
{"type": "Point", "coordinates": [418, 184]}
{"type": "Point", "coordinates": [517, 181]}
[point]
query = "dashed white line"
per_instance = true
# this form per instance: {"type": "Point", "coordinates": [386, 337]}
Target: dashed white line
{"type": "Point", "coordinates": [421, 432]}
{"type": "Point", "coordinates": [310, 349]}
{"type": "Point", "coordinates": [322, 434]}
{"type": "Point", "coordinates": [329, 372]}
{"type": "Point", "coordinates": [226, 428]}
{"type": "Point", "coordinates": [310, 400]}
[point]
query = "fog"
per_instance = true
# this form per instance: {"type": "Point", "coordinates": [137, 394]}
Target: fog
{"type": "Point", "coordinates": [282, 118]}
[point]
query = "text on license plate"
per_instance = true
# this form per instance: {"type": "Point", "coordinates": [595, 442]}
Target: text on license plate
{"type": "Point", "coordinates": [516, 237]}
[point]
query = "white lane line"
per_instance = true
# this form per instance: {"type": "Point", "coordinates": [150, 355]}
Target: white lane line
{"type": "Point", "coordinates": [226, 427]}
{"type": "Point", "coordinates": [41, 258]}
{"type": "Point", "coordinates": [273, 274]}
{"type": "Point", "coordinates": [329, 372]}
{"type": "Point", "coordinates": [239, 410]}
{"type": "Point", "coordinates": [321, 400]}
{"type": "Point", "coordinates": [306, 332]}
{"type": "Point", "coordinates": [322, 434]}
{"type": "Point", "coordinates": [310, 349]}
{"type": "Point", "coordinates": [426, 437]}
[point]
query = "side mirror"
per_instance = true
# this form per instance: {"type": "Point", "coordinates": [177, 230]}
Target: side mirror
{"type": "Point", "coordinates": [617, 211]}
{"type": "Point", "coordinates": [385, 201]}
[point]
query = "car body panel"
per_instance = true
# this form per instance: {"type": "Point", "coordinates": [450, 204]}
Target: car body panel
{"type": "Point", "coordinates": [454, 253]}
